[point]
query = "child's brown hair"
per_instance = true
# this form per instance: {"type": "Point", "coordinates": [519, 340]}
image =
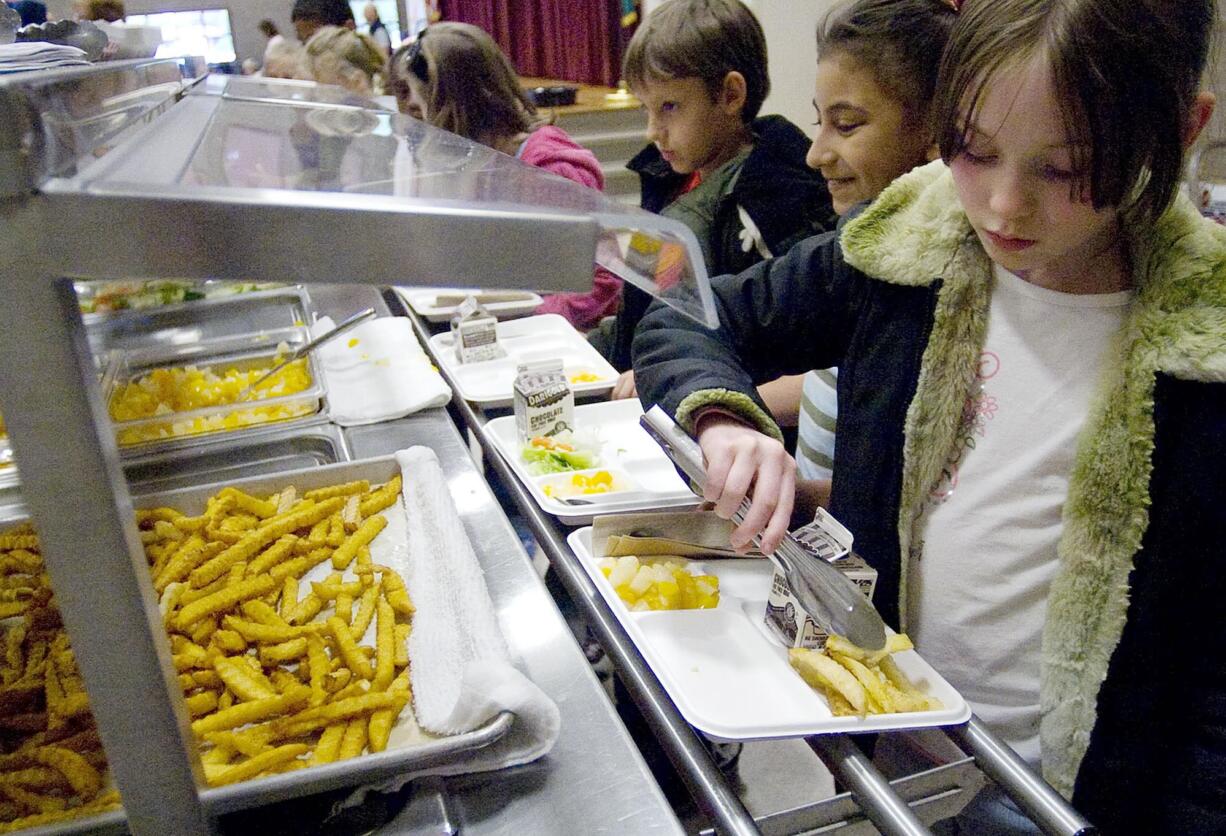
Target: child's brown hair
{"type": "Point", "coordinates": [111, 11]}
{"type": "Point", "coordinates": [470, 87]}
{"type": "Point", "coordinates": [704, 39]}
{"type": "Point", "coordinates": [899, 41]}
{"type": "Point", "coordinates": [1126, 73]}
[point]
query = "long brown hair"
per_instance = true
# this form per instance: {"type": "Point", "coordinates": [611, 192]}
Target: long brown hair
{"type": "Point", "coordinates": [1126, 73]}
{"type": "Point", "coordinates": [471, 89]}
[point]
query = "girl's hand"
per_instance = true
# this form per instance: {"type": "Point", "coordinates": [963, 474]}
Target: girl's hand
{"type": "Point", "coordinates": [739, 458]}
{"type": "Point", "coordinates": [624, 387]}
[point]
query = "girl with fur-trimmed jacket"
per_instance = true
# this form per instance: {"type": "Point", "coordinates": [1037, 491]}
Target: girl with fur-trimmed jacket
{"type": "Point", "coordinates": [1099, 584]}
{"type": "Point", "coordinates": [1133, 684]}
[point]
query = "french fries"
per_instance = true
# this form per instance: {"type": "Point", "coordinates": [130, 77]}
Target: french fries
{"type": "Point", "coordinates": [52, 767]}
{"type": "Point", "coordinates": [275, 666]}
{"type": "Point", "coordinates": [272, 662]}
{"type": "Point", "coordinates": [860, 682]}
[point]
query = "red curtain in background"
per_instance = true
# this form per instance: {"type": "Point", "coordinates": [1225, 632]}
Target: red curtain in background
{"type": "Point", "coordinates": [572, 40]}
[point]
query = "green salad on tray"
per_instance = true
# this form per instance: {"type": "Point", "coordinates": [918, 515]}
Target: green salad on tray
{"type": "Point", "coordinates": [558, 454]}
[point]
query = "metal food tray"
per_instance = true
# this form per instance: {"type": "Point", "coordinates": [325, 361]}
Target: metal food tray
{"type": "Point", "coordinates": [265, 450]}
{"type": "Point", "coordinates": [200, 320]}
{"type": "Point", "coordinates": [8, 468]}
{"type": "Point", "coordinates": [365, 770]}
{"type": "Point", "coordinates": [240, 351]}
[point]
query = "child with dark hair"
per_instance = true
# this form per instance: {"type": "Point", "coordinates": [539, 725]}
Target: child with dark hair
{"type": "Point", "coordinates": [740, 182]}
{"type": "Point", "coordinates": [877, 63]}
{"type": "Point", "coordinates": [456, 78]}
{"type": "Point", "coordinates": [107, 11]}
{"type": "Point", "coordinates": [309, 16]}
{"type": "Point", "coordinates": [1031, 337]}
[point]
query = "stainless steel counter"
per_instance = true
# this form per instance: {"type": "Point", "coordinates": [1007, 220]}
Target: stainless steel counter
{"type": "Point", "coordinates": [594, 780]}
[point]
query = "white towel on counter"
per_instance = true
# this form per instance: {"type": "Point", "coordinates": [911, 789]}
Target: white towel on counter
{"type": "Point", "coordinates": [39, 55]}
{"type": "Point", "coordinates": [461, 671]}
{"type": "Point", "coordinates": [378, 372]}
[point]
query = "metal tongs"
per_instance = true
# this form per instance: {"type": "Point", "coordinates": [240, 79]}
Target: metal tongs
{"type": "Point", "coordinates": [829, 597]}
{"type": "Point", "coordinates": [298, 353]}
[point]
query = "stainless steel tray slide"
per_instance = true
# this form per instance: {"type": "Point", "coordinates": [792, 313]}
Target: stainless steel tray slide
{"type": "Point", "coordinates": [369, 769]}
{"type": "Point", "coordinates": [187, 323]}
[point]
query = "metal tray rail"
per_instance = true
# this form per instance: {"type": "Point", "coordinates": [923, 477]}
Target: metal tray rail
{"type": "Point", "coordinates": [934, 794]}
{"type": "Point", "coordinates": [871, 792]}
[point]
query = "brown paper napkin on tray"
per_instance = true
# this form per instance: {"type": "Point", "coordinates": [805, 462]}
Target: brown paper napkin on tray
{"type": "Point", "coordinates": [684, 533]}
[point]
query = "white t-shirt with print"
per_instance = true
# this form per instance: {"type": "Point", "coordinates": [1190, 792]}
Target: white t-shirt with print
{"type": "Point", "coordinates": [985, 551]}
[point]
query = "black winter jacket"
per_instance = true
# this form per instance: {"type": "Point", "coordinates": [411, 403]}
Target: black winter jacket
{"type": "Point", "coordinates": [787, 200]}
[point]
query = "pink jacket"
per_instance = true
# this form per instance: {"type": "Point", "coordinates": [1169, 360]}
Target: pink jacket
{"type": "Point", "coordinates": [552, 149]}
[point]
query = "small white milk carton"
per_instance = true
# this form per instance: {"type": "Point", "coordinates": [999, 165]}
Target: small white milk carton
{"type": "Point", "coordinates": [544, 403]}
{"type": "Point", "coordinates": [476, 333]}
{"type": "Point", "coordinates": [826, 539]}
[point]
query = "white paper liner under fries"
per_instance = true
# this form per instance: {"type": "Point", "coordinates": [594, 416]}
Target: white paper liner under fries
{"type": "Point", "coordinates": [460, 669]}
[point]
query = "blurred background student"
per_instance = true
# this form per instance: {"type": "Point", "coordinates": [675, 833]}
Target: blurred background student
{"type": "Point", "coordinates": [106, 11]}
{"type": "Point", "coordinates": [31, 11]}
{"type": "Point", "coordinates": [126, 41]}
{"type": "Point", "coordinates": [377, 29]}
{"type": "Point", "coordinates": [309, 16]}
{"type": "Point", "coordinates": [282, 57]}
{"type": "Point", "coordinates": [456, 78]}
{"type": "Point", "coordinates": [332, 51]}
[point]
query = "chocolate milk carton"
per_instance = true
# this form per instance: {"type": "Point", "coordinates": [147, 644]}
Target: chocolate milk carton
{"type": "Point", "coordinates": [544, 402]}
{"type": "Point", "coordinates": [826, 539]}
{"type": "Point", "coordinates": [476, 333]}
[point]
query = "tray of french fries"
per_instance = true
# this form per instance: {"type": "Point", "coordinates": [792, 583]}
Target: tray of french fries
{"type": "Point", "coordinates": [699, 622]}
{"type": "Point", "coordinates": [288, 620]}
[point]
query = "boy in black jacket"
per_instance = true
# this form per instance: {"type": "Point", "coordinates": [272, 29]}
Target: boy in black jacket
{"type": "Point", "coordinates": [739, 182]}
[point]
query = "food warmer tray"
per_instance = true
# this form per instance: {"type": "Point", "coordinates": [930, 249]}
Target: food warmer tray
{"type": "Point", "coordinates": [364, 770]}
{"type": "Point", "coordinates": [200, 320]}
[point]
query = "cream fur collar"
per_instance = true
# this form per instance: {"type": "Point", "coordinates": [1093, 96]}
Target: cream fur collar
{"type": "Point", "coordinates": [916, 233]}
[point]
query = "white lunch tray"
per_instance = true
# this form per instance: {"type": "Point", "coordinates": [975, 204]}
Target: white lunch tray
{"type": "Point", "coordinates": [731, 679]}
{"type": "Point", "coordinates": [425, 302]}
{"type": "Point", "coordinates": [638, 465]}
{"type": "Point", "coordinates": [548, 337]}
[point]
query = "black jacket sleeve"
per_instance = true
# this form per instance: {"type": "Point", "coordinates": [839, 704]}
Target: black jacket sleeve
{"type": "Point", "coordinates": [783, 316]}
{"type": "Point", "coordinates": [1157, 758]}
